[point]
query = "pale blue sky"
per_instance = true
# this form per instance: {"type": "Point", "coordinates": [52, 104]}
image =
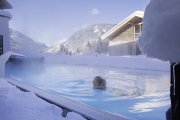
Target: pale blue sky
{"type": "Point", "coordinates": [51, 21]}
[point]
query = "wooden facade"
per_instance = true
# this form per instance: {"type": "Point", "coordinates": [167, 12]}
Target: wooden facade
{"type": "Point", "coordinates": [123, 37]}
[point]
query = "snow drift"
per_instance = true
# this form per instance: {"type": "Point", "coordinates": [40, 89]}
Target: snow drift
{"type": "Point", "coordinates": [17, 105]}
{"type": "Point", "coordinates": [130, 62]}
{"type": "Point", "coordinates": [161, 26]}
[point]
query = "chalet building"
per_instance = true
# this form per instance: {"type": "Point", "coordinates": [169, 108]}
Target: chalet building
{"type": "Point", "coordinates": [123, 37]}
{"type": "Point", "coordinates": [4, 26]}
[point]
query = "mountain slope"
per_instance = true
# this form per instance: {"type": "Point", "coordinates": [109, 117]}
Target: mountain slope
{"type": "Point", "coordinates": [25, 45]}
{"type": "Point", "coordinates": [84, 41]}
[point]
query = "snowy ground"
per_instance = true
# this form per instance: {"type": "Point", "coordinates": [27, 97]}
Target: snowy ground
{"type": "Point", "coordinates": [132, 62]}
{"type": "Point", "coordinates": [18, 105]}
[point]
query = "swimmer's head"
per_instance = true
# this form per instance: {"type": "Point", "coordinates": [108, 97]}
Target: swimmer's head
{"type": "Point", "coordinates": [99, 83]}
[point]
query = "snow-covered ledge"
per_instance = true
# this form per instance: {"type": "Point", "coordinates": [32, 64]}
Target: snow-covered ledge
{"type": "Point", "coordinates": [5, 14]}
{"type": "Point", "coordinates": [77, 108]}
{"type": "Point", "coordinates": [3, 60]}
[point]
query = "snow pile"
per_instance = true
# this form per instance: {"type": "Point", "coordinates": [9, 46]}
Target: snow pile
{"type": "Point", "coordinates": [161, 26]}
{"type": "Point", "coordinates": [131, 62]}
{"type": "Point", "coordinates": [74, 116]}
{"type": "Point", "coordinates": [18, 105]}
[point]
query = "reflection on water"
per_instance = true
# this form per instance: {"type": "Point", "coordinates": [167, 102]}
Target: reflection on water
{"type": "Point", "coordinates": [76, 82]}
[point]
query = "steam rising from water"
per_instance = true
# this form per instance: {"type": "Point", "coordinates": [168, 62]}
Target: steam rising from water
{"type": "Point", "coordinates": [76, 81]}
{"type": "Point", "coordinates": [129, 92]}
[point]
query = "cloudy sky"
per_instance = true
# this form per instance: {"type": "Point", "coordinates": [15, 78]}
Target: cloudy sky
{"type": "Point", "coordinates": [52, 21]}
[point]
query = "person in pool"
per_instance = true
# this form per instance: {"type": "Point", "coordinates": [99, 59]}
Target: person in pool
{"type": "Point", "coordinates": [99, 83]}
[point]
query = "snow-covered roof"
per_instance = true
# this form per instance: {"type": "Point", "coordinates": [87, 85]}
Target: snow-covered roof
{"type": "Point", "coordinates": [126, 21]}
{"type": "Point", "coordinates": [5, 4]}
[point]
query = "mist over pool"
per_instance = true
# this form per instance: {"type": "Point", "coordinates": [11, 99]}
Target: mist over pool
{"type": "Point", "coordinates": [134, 93]}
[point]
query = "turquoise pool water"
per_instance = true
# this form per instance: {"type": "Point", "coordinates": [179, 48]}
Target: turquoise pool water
{"type": "Point", "coordinates": [138, 94]}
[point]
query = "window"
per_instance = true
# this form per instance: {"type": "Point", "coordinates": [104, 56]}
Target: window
{"type": "Point", "coordinates": [1, 44]}
{"type": "Point", "coordinates": [137, 30]}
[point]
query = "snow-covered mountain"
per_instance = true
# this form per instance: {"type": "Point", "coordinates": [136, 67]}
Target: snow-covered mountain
{"type": "Point", "coordinates": [25, 45]}
{"type": "Point", "coordinates": [84, 41]}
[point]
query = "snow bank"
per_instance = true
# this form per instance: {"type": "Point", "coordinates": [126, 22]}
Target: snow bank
{"type": "Point", "coordinates": [74, 116]}
{"type": "Point", "coordinates": [18, 105]}
{"type": "Point", "coordinates": [132, 62]}
{"type": "Point", "coordinates": [161, 26]}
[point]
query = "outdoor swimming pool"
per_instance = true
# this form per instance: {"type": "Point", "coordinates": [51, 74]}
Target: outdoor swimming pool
{"type": "Point", "coordinates": [138, 94]}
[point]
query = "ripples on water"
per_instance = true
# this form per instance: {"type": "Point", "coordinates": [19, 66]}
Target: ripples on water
{"type": "Point", "coordinates": [76, 82]}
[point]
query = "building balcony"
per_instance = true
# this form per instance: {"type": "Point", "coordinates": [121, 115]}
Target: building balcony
{"type": "Point", "coordinates": [5, 14]}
